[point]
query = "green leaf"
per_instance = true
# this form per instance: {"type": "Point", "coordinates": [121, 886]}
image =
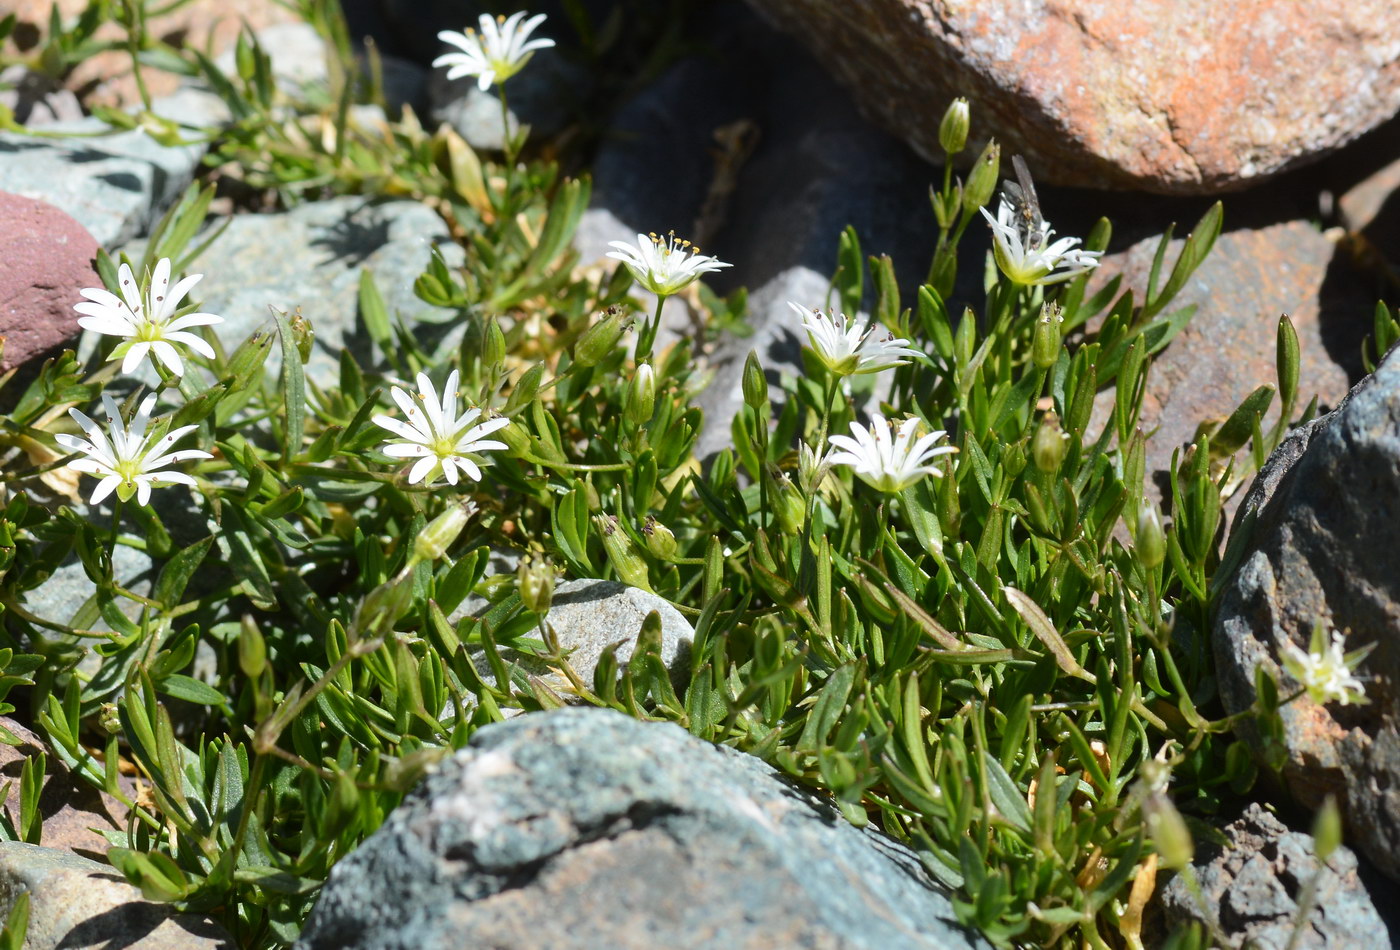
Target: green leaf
{"type": "Point", "coordinates": [1197, 246]}
{"type": "Point", "coordinates": [828, 707]}
{"type": "Point", "coordinates": [190, 690]}
{"type": "Point", "coordinates": [293, 388]}
{"type": "Point", "coordinates": [176, 573]}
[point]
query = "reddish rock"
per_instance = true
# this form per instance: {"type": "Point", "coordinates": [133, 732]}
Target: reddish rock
{"type": "Point", "coordinates": [1173, 96]}
{"type": "Point", "coordinates": [45, 259]}
{"type": "Point", "coordinates": [1228, 349]}
{"type": "Point", "coordinates": [73, 811]}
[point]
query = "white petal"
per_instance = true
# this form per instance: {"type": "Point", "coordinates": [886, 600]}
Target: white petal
{"type": "Point", "coordinates": [193, 320]}
{"type": "Point", "coordinates": [104, 488]}
{"type": "Point", "coordinates": [134, 356]}
{"type": "Point", "coordinates": [398, 428]}
{"type": "Point", "coordinates": [193, 342]}
{"type": "Point", "coordinates": [405, 450]}
{"type": "Point", "coordinates": [168, 355]}
{"type": "Point", "coordinates": [421, 468]}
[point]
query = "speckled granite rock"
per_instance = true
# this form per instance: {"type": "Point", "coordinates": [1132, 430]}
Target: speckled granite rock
{"type": "Point", "coordinates": [311, 257]}
{"type": "Point", "coordinates": [75, 903]}
{"type": "Point", "coordinates": [582, 828]}
{"type": "Point", "coordinates": [1252, 889]}
{"type": "Point", "coordinates": [1186, 96]}
{"type": "Point", "coordinates": [1316, 534]}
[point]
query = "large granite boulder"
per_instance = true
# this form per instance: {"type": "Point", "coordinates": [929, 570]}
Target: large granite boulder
{"type": "Point", "coordinates": [582, 828]}
{"type": "Point", "coordinates": [1316, 538]}
{"type": "Point", "coordinates": [1179, 96]}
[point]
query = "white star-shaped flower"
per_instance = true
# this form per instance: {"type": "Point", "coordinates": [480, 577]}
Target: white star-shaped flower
{"type": "Point", "coordinates": [849, 347]}
{"type": "Point", "coordinates": [496, 51]}
{"type": "Point", "coordinates": [664, 266]}
{"type": "Point", "coordinates": [887, 461]}
{"type": "Point", "coordinates": [143, 316]}
{"type": "Point", "coordinates": [124, 457]}
{"type": "Point", "coordinates": [1323, 670]}
{"type": "Point", "coordinates": [436, 435]}
{"type": "Point", "coordinates": [1026, 255]}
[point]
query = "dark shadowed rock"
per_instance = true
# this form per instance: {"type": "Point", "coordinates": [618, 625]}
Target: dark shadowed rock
{"type": "Point", "coordinates": [1169, 96]}
{"type": "Point", "coordinates": [1253, 888]}
{"type": "Point", "coordinates": [75, 903]}
{"type": "Point", "coordinates": [1316, 543]}
{"type": "Point", "coordinates": [48, 258]}
{"type": "Point", "coordinates": [583, 828]}
{"type": "Point", "coordinates": [752, 151]}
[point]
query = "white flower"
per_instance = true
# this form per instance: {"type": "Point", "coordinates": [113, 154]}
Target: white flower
{"type": "Point", "coordinates": [666, 265]}
{"type": "Point", "coordinates": [1026, 256]}
{"type": "Point", "coordinates": [1324, 670]}
{"type": "Point", "coordinates": [886, 461]}
{"type": "Point", "coordinates": [495, 53]}
{"type": "Point", "coordinates": [127, 461]}
{"type": "Point", "coordinates": [144, 318]}
{"type": "Point", "coordinates": [846, 347]}
{"type": "Point", "coordinates": [436, 435]}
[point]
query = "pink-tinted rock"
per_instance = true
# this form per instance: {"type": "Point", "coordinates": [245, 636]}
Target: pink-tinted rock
{"type": "Point", "coordinates": [45, 259]}
{"type": "Point", "coordinates": [1175, 96]}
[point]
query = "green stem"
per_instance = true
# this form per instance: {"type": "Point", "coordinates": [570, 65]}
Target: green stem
{"type": "Point", "coordinates": [648, 335]}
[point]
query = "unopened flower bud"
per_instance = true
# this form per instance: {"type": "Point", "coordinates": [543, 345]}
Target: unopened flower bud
{"type": "Point", "coordinates": [982, 180]}
{"type": "Point", "coordinates": [535, 582]}
{"type": "Point", "coordinates": [1049, 446]}
{"type": "Point", "coordinates": [755, 383]}
{"type": "Point", "coordinates": [640, 398]}
{"type": "Point", "coordinates": [493, 344]}
{"type": "Point", "coordinates": [661, 541]}
{"type": "Point", "coordinates": [303, 335]}
{"type": "Point", "coordinates": [1151, 540]}
{"type": "Point", "coordinates": [952, 132]}
{"type": "Point", "coordinates": [1045, 344]}
{"type": "Point", "coordinates": [631, 567]}
{"type": "Point", "coordinates": [515, 437]}
{"type": "Point", "coordinates": [598, 340]}
{"type": "Point", "coordinates": [108, 719]}
{"type": "Point", "coordinates": [789, 506]}
{"type": "Point", "coordinates": [434, 540]}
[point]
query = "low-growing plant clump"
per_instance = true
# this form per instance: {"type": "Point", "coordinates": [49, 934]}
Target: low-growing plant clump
{"type": "Point", "coordinates": [927, 577]}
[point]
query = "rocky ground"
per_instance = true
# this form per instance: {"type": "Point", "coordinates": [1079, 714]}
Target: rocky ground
{"type": "Point", "coordinates": [755, 145]}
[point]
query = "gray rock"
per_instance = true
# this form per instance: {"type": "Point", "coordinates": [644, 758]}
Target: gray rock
{"type": "Point", "coordinates": [1252, 891]}
{"type": "Point", "coordinates": [1315, 542]}
{"type": "Point", "coordinates": [116, 186]}
{"type": "Point", "coordinates": [682, 155]}
{"type": "Point", "coordinates": [542, 96]}
{"type": "Point", "coordinates": [37, 99]}
{"type": "Point", "coordinates": [76, 903]}
{"type": "Point", "coordinates": [311, 257]}
{"type": "Point", "coordinates": [583, 828]}
{"type": "Point", "coordinates": [588, 616]}
{"type": "Point", "coordinates": [297, 54]}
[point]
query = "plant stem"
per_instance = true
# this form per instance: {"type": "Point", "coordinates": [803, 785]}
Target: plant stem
{"type": "Point", "coordinates": [648, 335]}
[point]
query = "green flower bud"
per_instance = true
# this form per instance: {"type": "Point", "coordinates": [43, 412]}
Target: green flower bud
{"type": "Point", "coordinates": [1045, 344]}
{"type": "Point", "coordinates": [755, 383]}
{"type": "Point", "coordinates": [631, 567]}
{"type": "Point", "coordinates": [952, 131]}
{"type": "Point", "coordinates": [302, 335]}
{"type": "Point", "coordinates": [434, 540]}
{"type": "Point", "coordinates": [640, 399]}
{"type": "Point", "coordinates": [1151, 540]}
{"type": "Point", "coordinates": [661, 541]}
{"type": "Point", "coordinates": [525, 389]}
{"type": "Point", "coordinates": [493, 344]}
{"type": "Point", "coordinates": [108, 719]}
{"type": "Point", "coordinates": [982, 180]}
{"type": "Point", "coordinates": [517, 440]}
{"type": "Point", "coordinates": [1050, 444]}
{"type": "Point", "coordinates": [535, 581]}
{"type": "Point", "coordinates": [789, 506]}
{"type": "Point", "coordinates": [598, 340]}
